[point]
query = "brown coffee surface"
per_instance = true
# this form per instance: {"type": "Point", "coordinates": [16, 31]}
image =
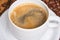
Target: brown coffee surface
{"type": "Point", "coordinates": [28, 16]}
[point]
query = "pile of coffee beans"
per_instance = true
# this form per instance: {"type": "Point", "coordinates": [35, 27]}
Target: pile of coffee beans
{"type": "Point", "coordinates": [53, 5]}
{"type": "Point", "coordinates": [5, 4]}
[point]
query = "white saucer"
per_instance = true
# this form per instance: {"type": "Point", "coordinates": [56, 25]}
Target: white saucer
{"type": "Point", "coordinates": [5, 33]}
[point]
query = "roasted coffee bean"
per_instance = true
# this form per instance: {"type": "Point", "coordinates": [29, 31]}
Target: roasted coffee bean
{"type": "Point", "coordinates": [58, 7]}
{"type": "Point", "coordinates": [46, 1]}
{"type": "Point", "coordinates": [57, 4]}
{"type": "Point", "coordinates": [52, 2]}
{"type": "Point", "coordinates": [4, 5]}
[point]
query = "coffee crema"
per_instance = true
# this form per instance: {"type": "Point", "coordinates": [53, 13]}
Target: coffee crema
{"type": "Point", "coordinates": [28, 16]}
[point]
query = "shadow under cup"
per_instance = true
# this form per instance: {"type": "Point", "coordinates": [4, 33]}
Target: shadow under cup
{"type": "Point", "coordinates": [28, 16]}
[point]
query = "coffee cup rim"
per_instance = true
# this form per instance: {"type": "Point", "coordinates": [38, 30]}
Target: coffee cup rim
{"type": "Point", "coordinates": [46, 7]}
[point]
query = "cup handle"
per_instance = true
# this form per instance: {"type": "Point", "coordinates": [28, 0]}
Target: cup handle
{"type": "Point", "coordinates": [54, 21]}
{"type": "Point", "coordinates": [52, 32]}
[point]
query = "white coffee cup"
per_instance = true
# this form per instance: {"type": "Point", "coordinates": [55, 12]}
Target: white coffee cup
{"type": "Point", "coordinates": [36, 33]}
